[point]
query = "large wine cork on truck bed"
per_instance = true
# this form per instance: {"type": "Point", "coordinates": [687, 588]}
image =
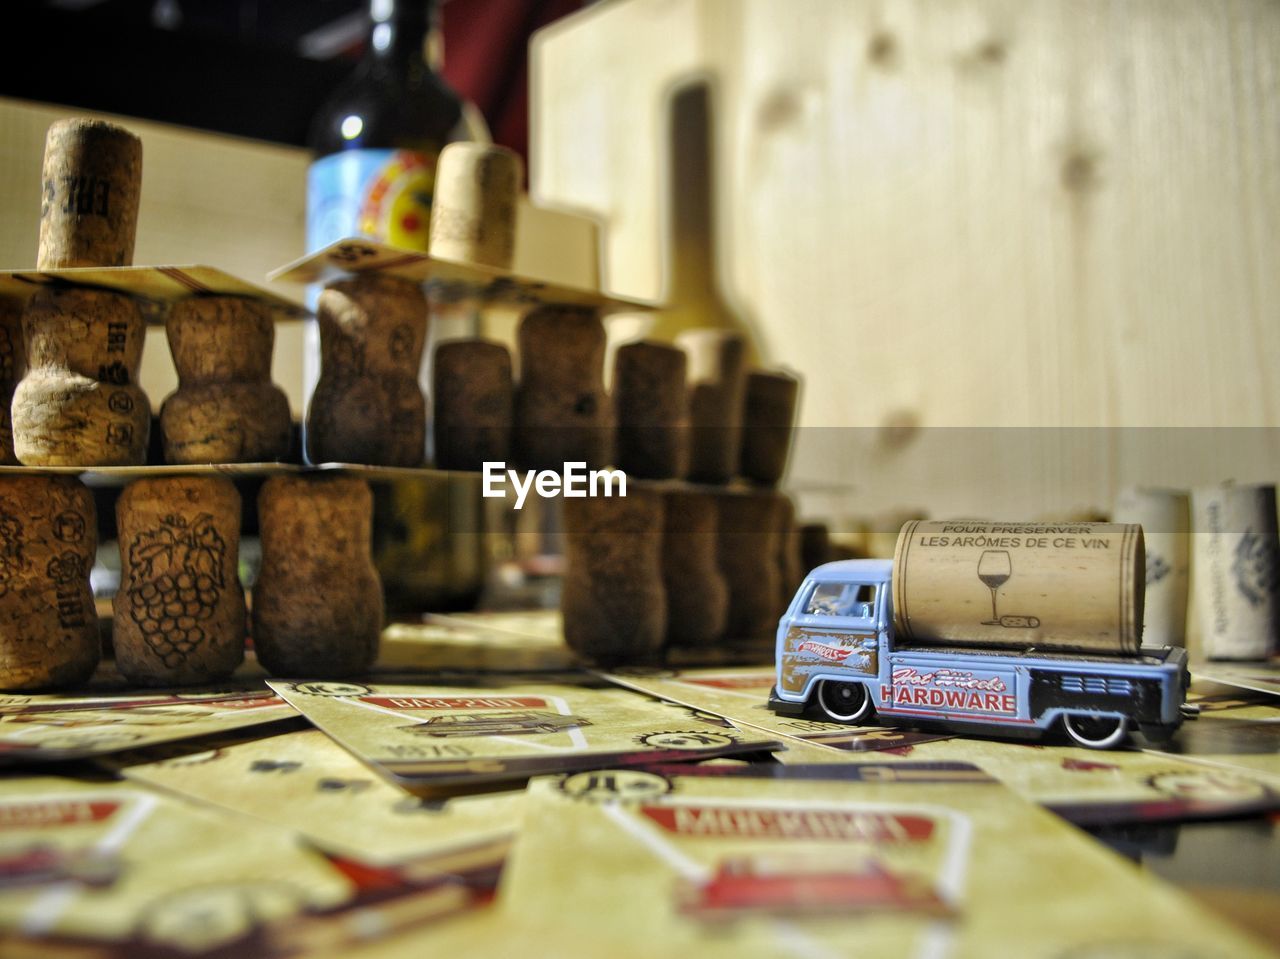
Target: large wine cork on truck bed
{"type": "Point", "coordinates": [1070, 587]}
{"type": "Point", "coordinates": [473, 214]}
{"type": "Point", "coordinates": [48, 627]}
{"type": "Point", "coordinates": [92, 180]}
{"type": "Point", "coordinates": [180, 611]}
{"type": "Point", "coordinates": [226, 409]}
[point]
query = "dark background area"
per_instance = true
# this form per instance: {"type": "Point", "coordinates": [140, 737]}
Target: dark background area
{"type": "Point", "coordinates": [252, 68]}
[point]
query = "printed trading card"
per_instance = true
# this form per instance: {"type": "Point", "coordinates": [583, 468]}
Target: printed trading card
{"type": "Point", "coordinates": [73, 726]}
{"type": "Point", "coordinates": [1089, 786]}
{"type": "Point", "coordinates": [874, 859]}
{"type": "Point", "coordinates": [429, 738]}
{"type": "Point", "coordinates": [84, 862]}
{"type": "Point", "coordinates": [741, 695]}
{"type": "Point", "coordinates": [1236, 727]}
{"type": "Point", "coordinates": [1260, 677]}
{"type": "Point", "coordinates": [304, 781]}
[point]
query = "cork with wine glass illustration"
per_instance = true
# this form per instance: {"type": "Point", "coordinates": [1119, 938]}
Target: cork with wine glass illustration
{"type": "Point", "coordinates": [1048, 586]}
{"type": "Point", "coordinates": [994, 569]}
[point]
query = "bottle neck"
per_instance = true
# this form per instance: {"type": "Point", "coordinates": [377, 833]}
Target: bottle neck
{"type": "Point", "coordinates": [691, 266]}
{"type": "Point", "coordinates": [403, 36]}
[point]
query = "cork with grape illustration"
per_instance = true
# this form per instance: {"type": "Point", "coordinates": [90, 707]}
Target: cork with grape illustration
{"type": "Point", "coordinates": [180, 612]}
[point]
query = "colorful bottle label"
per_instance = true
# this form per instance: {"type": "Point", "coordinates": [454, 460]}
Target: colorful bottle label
{"type": "Point", "coordinates": [381, 194]}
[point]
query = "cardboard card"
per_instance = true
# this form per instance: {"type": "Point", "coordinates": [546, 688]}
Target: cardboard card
{"type": "Point", "coordinates": [458, 643]}
{"type": "Point", "coordinates": [741, 695]}
{"type": "Point", "coordinates": [867, 859]}
{"type": "Point", "coordinates": [157, 286]}
{"type": "Point", "coordinates": [1260, 677]}
{"type": "Point", "coordinates": [449, 279]}
{"type": "Point", "coordinates": [1089, 786]}
{"type": "Point", "coordinates": [58, 726]}
{"type": "Point", "coordinates": [85, 862]}
{"type": "Point", "coordinates": [433, 737]}
{"type": "Point", "coordinates": [305, 782]}
{"type": "Point", "coordinates": [1236, 728]}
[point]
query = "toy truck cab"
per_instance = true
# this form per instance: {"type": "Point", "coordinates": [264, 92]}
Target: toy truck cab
{"type": "Point", "coordinates": [837, 653]}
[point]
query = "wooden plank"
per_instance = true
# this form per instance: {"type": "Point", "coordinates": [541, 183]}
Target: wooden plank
{"type": "Point", "coordinates": [961, 213]}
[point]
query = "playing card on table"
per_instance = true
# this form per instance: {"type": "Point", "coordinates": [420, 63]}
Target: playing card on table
{"type": "Point", "coordinates": [741, 694]}
{"type": "Point", "coordinates": [471, 642]}
{"type": "Point", "coordinates": [108, 862]}
{"type": "Point", "coordinates": [1095, 786]}
{"type": "Point", "coordinates": [1260, 677]}
{"type": "Point", "coordinates": [429, 738]}
{"type": "Point", "coordinates": [1236, 728]}
{"type": "Point", "coordinates": [306, 782]}
{"type": "Point", "coordinates": [72, 726]}
{"type": "Point", "coordinates": [869, 859]}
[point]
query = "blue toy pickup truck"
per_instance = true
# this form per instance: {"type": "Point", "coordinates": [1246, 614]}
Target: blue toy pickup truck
{"type": "Point", "coordinates": [837, 654]}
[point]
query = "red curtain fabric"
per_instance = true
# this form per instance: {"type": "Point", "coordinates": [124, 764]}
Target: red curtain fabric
{"type": "Point", "coordinates": [486, 45]}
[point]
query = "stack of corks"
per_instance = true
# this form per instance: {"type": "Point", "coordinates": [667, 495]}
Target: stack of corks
{"type": "Point", "coordinates": [704, 552]}
{"type": "Point", "coordinates": [179, 616]}
{"type": "Point", "coordinates": [76, 403]}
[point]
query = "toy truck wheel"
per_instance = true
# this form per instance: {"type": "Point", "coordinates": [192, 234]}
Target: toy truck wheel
{"type": "Point", "coordinates": [844, 702]}
{"type": "Point", "coordinates": [1096, 732]}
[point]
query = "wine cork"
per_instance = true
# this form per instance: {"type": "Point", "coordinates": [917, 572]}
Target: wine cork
{"type": "Point", "coordinates": [179, 616]}
{"type": "Point", "coordinates": [472, 398]}
{"type": "Point", "coordinates": [613, 599]}
{"type": "Point", "coordinates": [815, 546]}
{"type": "Point", "coordinates": [367, 406]}
{"type": "Point", "coordinates": [717, 374]}
{"type": "Point", "coordinates": [92, 180]}
{"type": "Point", "coordinates": [1070, 587]}
{"type": "Point", "coordinates": [1236, 571]}
{"type": "Point", "coordinates": [226, 409]}
{"type": "Point", "coordinates": [48, 627]}
{"type": "Point", "coordinates": [697, 592]}
{"type": "Point", "coordinates": [651, 404]}
{"type": "Point", "coordinates": [79, 403]}
{"type": "Point", "coordinates": [317, 604]}
{"type": "Point", "coordinates": [13, 363]}
{"type": "Point", "coordinates": [562, 413]}
{"type": "Point", "coordinates": [473, 216]}
{"type": "Point", "coordinates": [769, 412]}
{"type": "Point", "coordinates": [747, 549]}
{"type": "Point", "coordinates": [1165, 518]}
{"type": "Point", "coordinates": [791, 571]}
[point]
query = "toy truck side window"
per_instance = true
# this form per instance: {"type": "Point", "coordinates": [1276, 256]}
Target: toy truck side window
{"type": "Point", "coordinates": [855, 600]}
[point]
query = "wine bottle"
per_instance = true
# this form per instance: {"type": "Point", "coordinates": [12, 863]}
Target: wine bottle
{"type": "Point", "coordinates": [377, 138]}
